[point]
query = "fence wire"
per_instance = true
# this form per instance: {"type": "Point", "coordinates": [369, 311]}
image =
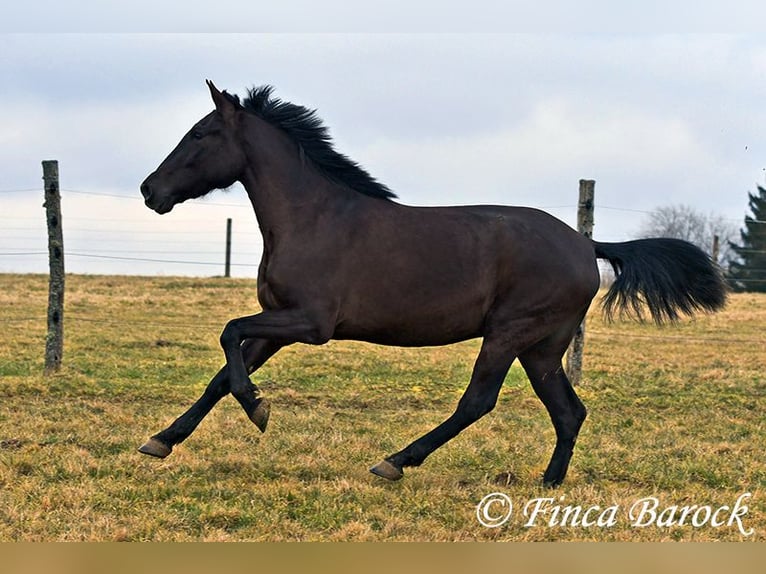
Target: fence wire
{"type": "Point", "coordinates": [75, 317]}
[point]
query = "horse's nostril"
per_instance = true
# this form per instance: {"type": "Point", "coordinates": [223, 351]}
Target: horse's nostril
{"type": "Point", "coordinates": [145, 191]}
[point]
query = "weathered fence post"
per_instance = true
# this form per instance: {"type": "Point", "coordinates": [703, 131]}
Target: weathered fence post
{"type": "Point", "coordinates": [54, 341]}
{"type": "Point", "coordinates": [227, 271]}
{"type": "Point", "coordinates": [716, 249]}
{"type": "Point", "coordinates": [584, 226]}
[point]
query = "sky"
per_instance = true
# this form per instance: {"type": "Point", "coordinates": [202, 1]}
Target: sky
{"type": "Point", "coordinates": [656, 118]}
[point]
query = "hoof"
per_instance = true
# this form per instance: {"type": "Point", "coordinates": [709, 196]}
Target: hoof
{"type": "Point", "coordinates": [154, 447]}
{"type": "Point", "coordinates": [387, 470]}
{"type": "Point", "coordinates": [260, 416]}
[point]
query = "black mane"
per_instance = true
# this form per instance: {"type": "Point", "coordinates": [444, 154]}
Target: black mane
{"type": "Point", "coordinates": [306, 129]}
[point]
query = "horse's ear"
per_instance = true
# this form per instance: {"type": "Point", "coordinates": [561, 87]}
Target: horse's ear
{"type": "Point", "coordinates": [223, 104]}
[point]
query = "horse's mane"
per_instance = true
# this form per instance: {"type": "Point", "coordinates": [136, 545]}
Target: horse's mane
{"type": "Point", "coordinates": [307, 130]}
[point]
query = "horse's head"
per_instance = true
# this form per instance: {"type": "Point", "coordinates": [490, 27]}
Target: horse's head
{"type": "Point", "coordinates": [207, 158]}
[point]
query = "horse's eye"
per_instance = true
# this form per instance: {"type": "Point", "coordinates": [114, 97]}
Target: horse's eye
{"type": "Point", "coordinates": [197, 135]}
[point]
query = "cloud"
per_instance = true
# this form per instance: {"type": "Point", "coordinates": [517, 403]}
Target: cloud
{"type": "Point", "coordinates": [440, 118]}
{"type": "Point", "coordinates": [545, 16]}
{"type": "Point", "coordinates": [99, 145]}
{"type": "Point", "coordinates": [555, 141]}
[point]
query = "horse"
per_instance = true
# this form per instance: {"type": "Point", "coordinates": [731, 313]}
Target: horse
{"type": "Point", "coordinates": [343, 260]}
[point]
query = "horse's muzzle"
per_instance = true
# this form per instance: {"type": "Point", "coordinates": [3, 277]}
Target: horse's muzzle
{"type": "Point", "coordinates": [153, 201]}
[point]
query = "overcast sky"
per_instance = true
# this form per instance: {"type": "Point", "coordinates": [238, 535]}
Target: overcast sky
{"type": "Point", "coordinates": [655, 119]}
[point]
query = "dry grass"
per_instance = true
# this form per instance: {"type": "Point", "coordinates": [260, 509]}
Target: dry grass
{"type": "Point", "coordinates": [675, 413]}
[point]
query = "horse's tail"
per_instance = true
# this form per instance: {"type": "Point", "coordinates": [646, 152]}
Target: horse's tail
{"type": "Point", "coordinates": [667, 276]}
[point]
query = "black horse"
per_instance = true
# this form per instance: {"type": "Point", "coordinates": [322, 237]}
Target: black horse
{"type": "Point", "coordinates": [342, 260]}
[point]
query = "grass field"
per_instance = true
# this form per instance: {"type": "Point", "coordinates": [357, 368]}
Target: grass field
{"type": "Point", "coordinates": [675, 413]}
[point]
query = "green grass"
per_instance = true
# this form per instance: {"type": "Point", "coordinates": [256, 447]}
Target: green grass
{"type": "Point", "coordinates": [675, 413]}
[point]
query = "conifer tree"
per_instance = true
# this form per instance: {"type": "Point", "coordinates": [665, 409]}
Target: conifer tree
{"type": "Point", "coordinates": [747, 272]}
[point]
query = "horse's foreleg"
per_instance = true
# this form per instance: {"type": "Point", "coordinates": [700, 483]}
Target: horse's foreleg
{"type": "Point", "coordinates": [279, 328]}
{"type": "Point", "coordinates": [255, 352]}
{"type": "Point", "coordinates": [479, 398]}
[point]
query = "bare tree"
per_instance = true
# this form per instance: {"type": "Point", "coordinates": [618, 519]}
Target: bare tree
{"type": "Point", "coordinates": [685, 222]}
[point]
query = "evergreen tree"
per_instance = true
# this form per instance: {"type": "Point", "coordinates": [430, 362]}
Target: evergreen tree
{"type": "Point", "coordinates": [748, 271]}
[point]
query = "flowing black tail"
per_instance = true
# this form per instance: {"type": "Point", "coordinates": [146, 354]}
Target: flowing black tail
{"type": "Point", "coordinates": [667, 276]}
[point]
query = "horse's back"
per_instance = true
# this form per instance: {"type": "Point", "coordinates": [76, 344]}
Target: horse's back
{"type": "Point", "coordinates": [451, 266]}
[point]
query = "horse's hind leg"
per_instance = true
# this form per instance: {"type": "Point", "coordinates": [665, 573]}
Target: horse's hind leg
{"type": "Point", "coordinates": [479, 398]}
{"type": "Point", "coordinates": [549, 381]}
{"type": "Point", "coordinates": [256, 352]}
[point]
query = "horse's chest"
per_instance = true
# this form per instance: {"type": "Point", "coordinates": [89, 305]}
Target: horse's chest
{"type": "Point", "coordinates": [268, 290]}
{"type": "Point", "coordinates": [278, 285]}
{"type": "Point", "coordinates": [267, 297]}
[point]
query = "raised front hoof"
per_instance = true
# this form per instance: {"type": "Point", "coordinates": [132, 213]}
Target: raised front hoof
{"type": "Point", "coordinates": [387, 470]}
{"type": "Point", "coordinates": [260, 414]}
{"type": "Point", "coordinates": [155, 447]}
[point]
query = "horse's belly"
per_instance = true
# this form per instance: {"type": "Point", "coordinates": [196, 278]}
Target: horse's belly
{"type": "Point", "coordinates": [426, 324]}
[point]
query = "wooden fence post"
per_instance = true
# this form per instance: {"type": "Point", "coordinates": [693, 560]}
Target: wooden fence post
{"type": "Point", "coordinates": [54, 341]}
{"type": "Point", "coordinates": [716, 249]}
{"type": "Point", "coordinates": [227, 269]}
{"type": "Point", "coordinates": [584, 226]}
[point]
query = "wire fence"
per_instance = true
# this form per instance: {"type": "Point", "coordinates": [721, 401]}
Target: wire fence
{"type": "Point", "coordinates": [170, 324]}
{"type": "Point", "coordinates": [121, 239]}
{"type": "Point", "coordinates": [125, 239]}
{"type": "Point", "coordinates": [125, 244]}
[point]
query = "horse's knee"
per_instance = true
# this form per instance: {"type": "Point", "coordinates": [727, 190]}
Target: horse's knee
{"type": "Point", "coordinates": [230, 336]}
{"type": "Point", "coordinates": [473, 408]}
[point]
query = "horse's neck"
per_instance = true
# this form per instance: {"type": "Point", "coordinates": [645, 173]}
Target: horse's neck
{"type": "Point", "coordinates": [292, 197]}
{"type": "Point", "coordinates": [287, 191]}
